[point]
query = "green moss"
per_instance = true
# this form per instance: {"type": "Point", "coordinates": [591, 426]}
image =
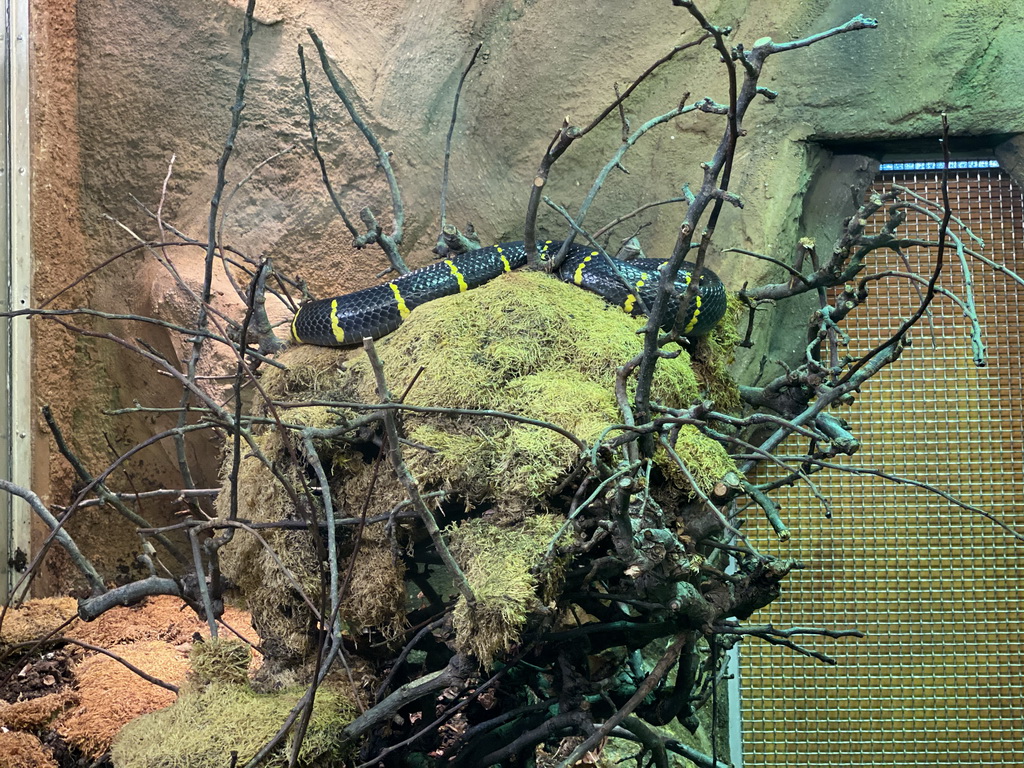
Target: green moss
{"type": "Point", "coordinates": [216, 660]}
{"type": "Point", "coordinates": [525, 344]}
{"type": "Point", "coordinates": [316, 416]}
{"type": "Point", "coordinates": [203, 727]}
{"type": "Point", "coordinates": [499, 562]}
{"type": "Point", "coordinates": [706, 459]}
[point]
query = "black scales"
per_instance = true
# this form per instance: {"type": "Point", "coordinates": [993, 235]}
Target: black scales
{"type": "Point", "coordinates": [377, 311]}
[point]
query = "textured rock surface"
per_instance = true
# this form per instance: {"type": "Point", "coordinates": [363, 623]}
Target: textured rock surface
{"type": "Point", "coordinates": [120, 88]}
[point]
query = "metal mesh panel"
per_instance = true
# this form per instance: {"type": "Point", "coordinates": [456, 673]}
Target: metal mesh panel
{"type": "Point", "coordinates": [938, 680]}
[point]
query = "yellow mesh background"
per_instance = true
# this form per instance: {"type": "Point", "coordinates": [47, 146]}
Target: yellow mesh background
{"type": "Point", "coordinates": [938, 680]}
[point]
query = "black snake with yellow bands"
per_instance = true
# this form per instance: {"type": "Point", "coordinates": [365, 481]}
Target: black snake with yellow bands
{"type": "Point", "coordinates": [346, 320]}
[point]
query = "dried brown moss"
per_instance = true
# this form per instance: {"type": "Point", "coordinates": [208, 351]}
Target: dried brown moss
{"type": "Point", "coordinates": [110, 695]}
{"type": "Point", "coordinates": [24, 750]}
{"type": "Point", "coordinates": [269, 567]}
{"type": "Point", "coordinates": [36, 619]}
{"type": "Point", "coordinates": [34, 714]}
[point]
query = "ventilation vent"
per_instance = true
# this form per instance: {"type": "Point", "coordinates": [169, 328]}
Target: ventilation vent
{"type": "Point", "coordinates": [938, 680]}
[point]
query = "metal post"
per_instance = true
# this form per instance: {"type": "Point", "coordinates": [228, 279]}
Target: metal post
{"type": "Point", "coordinates": [735, 707]}
{"type": "Point", "coordinates": [15, 268]}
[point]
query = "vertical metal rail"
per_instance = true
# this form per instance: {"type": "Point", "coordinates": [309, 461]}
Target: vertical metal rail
{"type": "Point", "coordinates": [15, 269]}
{"type": "Point", "coordinates": [734, 692]}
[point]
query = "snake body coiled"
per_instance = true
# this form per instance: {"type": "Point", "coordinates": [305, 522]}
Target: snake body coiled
{"type": "Point", "coordinates": [374, 312]}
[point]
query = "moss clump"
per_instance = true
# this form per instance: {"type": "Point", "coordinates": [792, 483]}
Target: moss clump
{"type": "Point", "coordinates": [376, 594]}
{"type": "Point", "coordinates": [315, 416]}
{"type": "Point", "coordinates": [706, 460]}
{"type": "Point", "coordinates": [203, 727]}
{"type": "Point", "coordinates": [268, 583]}
{"type": "Point", "coordinates": [714, 353]}
{"type": "Point", "coordinates": [499, 563]}
{"type": "Point", "coordinates": [35, 619]}
{"type": "Point", "coordinates": [24, 750]}
{"type": "Point", "coordinates": [525, 344]}
{"type": "Point", "coordinates": [222, 661]}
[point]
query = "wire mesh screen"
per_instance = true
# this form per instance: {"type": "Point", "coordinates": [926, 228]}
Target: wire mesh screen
{"type": "Point", "coordinates": [938, 679]}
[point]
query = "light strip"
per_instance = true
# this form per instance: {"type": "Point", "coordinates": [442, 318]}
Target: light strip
{"type": "Point", "coordinates": [938, 165]}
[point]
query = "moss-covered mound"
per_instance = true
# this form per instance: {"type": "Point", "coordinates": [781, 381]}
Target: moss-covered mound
{"type": "Point", "coordinates": [524, 344]}
{"type": "Point", "coordinates": [204, 726]}
{"type": "Point", "coordinates": [500, 563]}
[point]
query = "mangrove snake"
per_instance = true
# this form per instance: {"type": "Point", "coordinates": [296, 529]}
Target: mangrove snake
{"type": "Point", "coordinates": [376, 311]}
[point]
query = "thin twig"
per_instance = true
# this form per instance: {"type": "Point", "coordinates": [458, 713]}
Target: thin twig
{"type": "Point", "coordinates": [892, 477]}
{"type": "Point", "coordinates": [120, 660]}
{"type": "Point", "coordinates": [201, 583]}
{"type": "Point", "coordinates": [643, 690]}
{"type": "Point", "coordinates": [406, 478]}
{"type": "Point", "coordinates": [636, 212]}
{"type": "Point", "coordinates": [614, 162]}
{"type": "Point", "coordinates": [895, 339]}
{"type": "Point", "coordinates": [564, 138]}
{"type": "Point", "coordinates": [211, 245]}
{"type": "Point", "coordinates": [451, 131]}
{"type": "Point", "coordinates": [315, 138]}
{"type": "Point", "coordinates": [101, 489]}
{"type": "Point", "coordinates": [389, 243]}
{"type": "Point", "coordinates": [57, 531]}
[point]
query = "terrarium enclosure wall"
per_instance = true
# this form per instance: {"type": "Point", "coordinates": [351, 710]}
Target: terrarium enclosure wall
{"type": "Point", "coordinates": [929, 582]}
{"type": "Point", "coordinates": [131, 104]}
{"type": "Point", "coordinates": [122, 89]}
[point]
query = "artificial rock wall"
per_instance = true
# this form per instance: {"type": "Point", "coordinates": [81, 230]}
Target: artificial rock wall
{"type": "Point", "coordinates": [122, 88]}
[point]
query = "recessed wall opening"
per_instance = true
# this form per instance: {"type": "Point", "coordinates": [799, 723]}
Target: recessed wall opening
{"type": "Point", "coordinates": [934, 584]}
